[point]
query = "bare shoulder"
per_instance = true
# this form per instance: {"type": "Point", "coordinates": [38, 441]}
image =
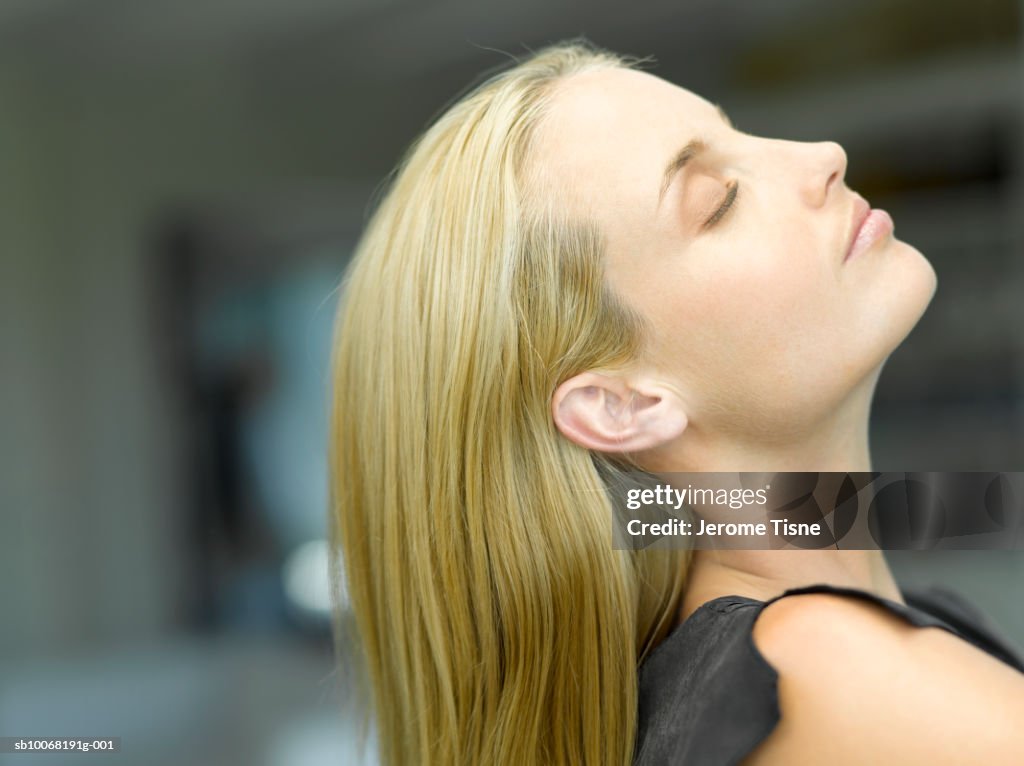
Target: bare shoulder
{"type": "Point", "coordinates": [859, 684]}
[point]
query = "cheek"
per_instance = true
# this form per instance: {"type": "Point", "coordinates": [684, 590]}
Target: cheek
{"type": "Point", "coordinates": [753, 334]}
{"type": "Point", "coordinates": [758, 302]}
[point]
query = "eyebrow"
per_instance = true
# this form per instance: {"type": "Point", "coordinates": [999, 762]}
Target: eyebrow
{"type": "Point", "coordinates": [680, 159]}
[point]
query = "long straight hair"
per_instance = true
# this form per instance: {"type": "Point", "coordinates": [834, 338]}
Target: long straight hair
{"type": "Point", "coordinates": [494, 621]}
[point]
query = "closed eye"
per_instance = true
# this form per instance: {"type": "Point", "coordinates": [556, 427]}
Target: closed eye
{"type": "Point", "coordinates": [730, 198]}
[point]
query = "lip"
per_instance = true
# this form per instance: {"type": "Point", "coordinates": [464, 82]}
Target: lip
{"type": "Point", "coordinates": [867, 227]}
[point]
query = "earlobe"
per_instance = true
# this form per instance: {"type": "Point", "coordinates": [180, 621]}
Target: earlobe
{"type": "Point", "coordinates": [607, 414]}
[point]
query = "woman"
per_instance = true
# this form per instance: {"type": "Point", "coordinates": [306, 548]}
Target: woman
{"type": "Point", "coordinates": [579, 268]}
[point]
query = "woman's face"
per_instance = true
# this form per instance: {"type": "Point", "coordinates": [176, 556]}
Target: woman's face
{"type": "Point", "coordinates": [758, 323]}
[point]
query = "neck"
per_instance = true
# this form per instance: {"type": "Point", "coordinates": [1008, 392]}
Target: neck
{"type": "Point", "coordinates": [761, 575]}
{"type": "Point", "coordinates": [837, 442]}
{"type": "Point", "coordinates": [840, 444]}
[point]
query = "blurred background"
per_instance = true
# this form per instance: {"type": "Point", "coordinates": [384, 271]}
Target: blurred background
{"type": "Point", "coordinates": [180, 187]}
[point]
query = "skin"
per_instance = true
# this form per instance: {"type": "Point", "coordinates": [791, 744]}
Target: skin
{"type": "Point", "coordinates": [764, 354]}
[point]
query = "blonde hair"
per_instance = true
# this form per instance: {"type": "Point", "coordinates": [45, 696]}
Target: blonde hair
{"type": "Point", "coordinates": [495, 623]}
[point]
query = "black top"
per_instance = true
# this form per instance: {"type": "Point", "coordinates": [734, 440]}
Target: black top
{"type": "Point", "coordinates": [708, 696]}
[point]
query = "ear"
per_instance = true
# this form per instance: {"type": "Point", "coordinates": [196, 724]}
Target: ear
{"type": "Point", "coordinates": [607, 414]}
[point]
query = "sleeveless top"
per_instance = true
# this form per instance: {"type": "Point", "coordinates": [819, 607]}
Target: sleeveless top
{"type": "Point", "coordinates": [708, 696]}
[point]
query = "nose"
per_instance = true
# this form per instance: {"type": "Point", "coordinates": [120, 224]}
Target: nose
{"type": "Point", "coordinates": [826, 171]}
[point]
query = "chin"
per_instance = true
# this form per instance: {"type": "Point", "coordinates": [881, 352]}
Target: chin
{"type": "Point", "coordinates": [912, 284]}
{"type": "Point", "coordinates": [921, 276]}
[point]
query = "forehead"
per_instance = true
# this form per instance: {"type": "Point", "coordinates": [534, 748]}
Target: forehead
{"type": "Point", "coordinates": [609, 134]}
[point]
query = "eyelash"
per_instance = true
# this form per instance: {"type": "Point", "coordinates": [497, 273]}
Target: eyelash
{"type": "Point", "coordinates": [730, 199]}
